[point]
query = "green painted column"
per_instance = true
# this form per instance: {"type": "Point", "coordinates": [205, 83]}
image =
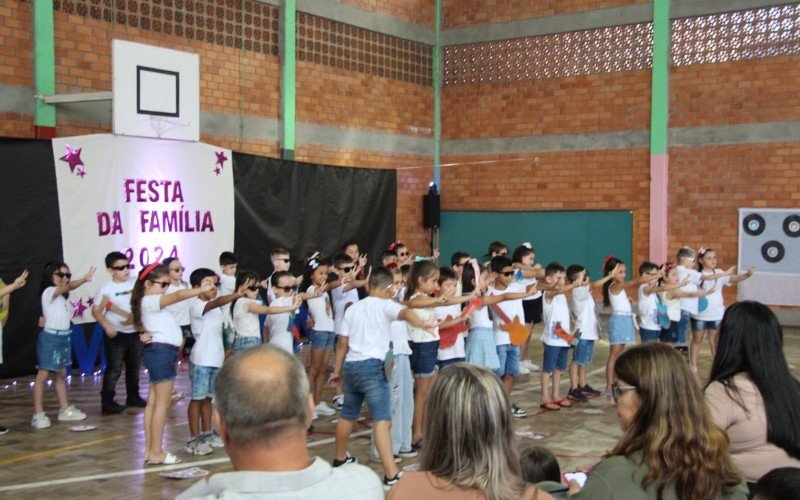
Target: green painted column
{"type": "Point", "coordinates": [44, 66]}
{"type": "Point", "coordinates": [288, 79]}
{"type": "Point", "coordinates": [659, 126]}
{"type": "Point", "coordinates": [437, 98]}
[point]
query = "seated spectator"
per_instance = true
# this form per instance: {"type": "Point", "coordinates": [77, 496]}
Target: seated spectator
{"type": "Point", "coordinates": [752, 394]}
{"type": "Point", "coordinates": [670, 447]}
{"type": "Point", "coordinates": [778, 484]}
{"type": "Point", "coordinates": [262, 413]}
{"type": "Point", "coordinates": [469, 451]}
{"type": "Point", "coordinates": [540, 467]}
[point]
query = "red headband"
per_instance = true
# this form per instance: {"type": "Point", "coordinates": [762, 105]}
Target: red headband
{"type": "Point", "coordinates": [147, 270]}
{"type": "Point", "coordinates": [607, 260]}
{"type": "Point", "coordinates": [669, 266]}
{"type": "Point", "coordinates": [394, 245]}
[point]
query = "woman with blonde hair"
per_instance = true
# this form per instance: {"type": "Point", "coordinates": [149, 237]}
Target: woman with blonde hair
{"type": "Point", "coordinates": [671, 448]}
{"type": "Point", "coordinates": [470, 450]}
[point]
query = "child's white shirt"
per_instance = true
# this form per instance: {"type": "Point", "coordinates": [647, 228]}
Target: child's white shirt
{"type": "Point", "coordinates": [556, 311]}
{"type": "Point", "coordinates": [159, 323]}
{"type": "Point", "coordinates": [341, 300]}
{"type": "Point", "coordinates": [648, 309]}
{"type": "Point", "coordinates": [279, 331]}
{"type": "Point", "coordinates": [208, 349]}
{"type": "Point", "coordinates": [118, 294]}
{"type": "Point", "coordinates": [584, 310]}
{"type": "Point", "coordinates": [512, 308]}
{"type": "Point", "coordinates": [457, 349]}
{"type": "Point", "coordinates": [179, 310]}
{"type": "Point", "coordinates": [420, 335]}
{"type": "Point", "coordinates": [716, 304]}
{"type": "Point", "coordinates": [245, 322]}
{"type": "Point", "coordinates": [689, 303]}
{"type": "Point", "coordinates": [367, 324]}
{"type": "Point", "coordinates": [320, 310]}
{"type": "Point", "coordinates": [54, 310]}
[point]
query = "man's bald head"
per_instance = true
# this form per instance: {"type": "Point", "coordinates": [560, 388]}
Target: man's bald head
{"type": "Point", "coordinates": [261, 393]}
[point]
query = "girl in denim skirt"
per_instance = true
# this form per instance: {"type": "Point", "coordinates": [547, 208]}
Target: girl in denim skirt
{"type": "Point", "coordinates": [162, 337]}
{"type": "Point", "coordinates": [53, 347]}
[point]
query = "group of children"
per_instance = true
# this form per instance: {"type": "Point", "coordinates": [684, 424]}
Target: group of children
{"type": "Point", "coordinates": [392, 328]}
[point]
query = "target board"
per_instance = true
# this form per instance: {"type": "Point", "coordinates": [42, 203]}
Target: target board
{"type": "Point", "coordinates": [769, 240]}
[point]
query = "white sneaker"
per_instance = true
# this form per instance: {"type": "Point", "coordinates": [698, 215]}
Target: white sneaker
{"type": "Point", "coordinates": [40, 421]}
{"type": "Point", "coordinates": [70, 414]}
{"type": "Point", "coordinates": [338, 401]}
{"type": "Point", "coordinates": [533, 366]}
{"type": "Point", "coordinates": [523, 370]}
{"type": "Point", "coordinates": [197, 446]}
{"type": "Point", "coordinates": [324, 410]}
{"type": "Point", "coordinates": [212, 439]}
{"type": "Point", "coordinates": [314, 415]}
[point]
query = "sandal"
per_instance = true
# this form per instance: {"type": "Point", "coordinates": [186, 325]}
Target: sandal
{"type": "Point", "coordinates": [169, 459]}
{"type": "Point", "coordinates": [563, 403]}
{"type": "Point", "coordinates": [550, 405]}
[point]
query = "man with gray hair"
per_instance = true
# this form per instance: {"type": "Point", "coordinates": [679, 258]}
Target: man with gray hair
{"type": "Point", "coordinates": [263, 408]}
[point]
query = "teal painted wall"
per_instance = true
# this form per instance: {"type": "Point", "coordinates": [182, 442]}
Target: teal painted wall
{"type": "Point", "coordinates": [569, 237]}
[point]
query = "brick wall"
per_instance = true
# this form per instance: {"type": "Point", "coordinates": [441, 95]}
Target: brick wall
{"type": "Point", "coordinates": [413, 11]}
{"type": "Point", "coordinates": [461, 13]}
{"type": "Point", "coordinates": [16, 63]}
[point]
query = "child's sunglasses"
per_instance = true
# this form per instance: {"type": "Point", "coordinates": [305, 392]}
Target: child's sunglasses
{"type": "Point", "coordinates": [285, 261]}
{"type": "Point", "coordinates": [347, 269]}
{"type": "Point", "coordinates": [508, 273]}
{"type": "Point", "coordinates": [286, 289]}
{"type": "Point", "coordinates": [253, 288]}
{"type": "Point", "coordinates": [120, 268]}
{"type": "Point", "coordinates": [63, 275]}
{"type": "Point", "coordinates": [164, 284]}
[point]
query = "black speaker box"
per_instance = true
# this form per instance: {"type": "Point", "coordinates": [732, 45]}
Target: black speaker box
{"type": "Point", "coordinates": [430, 211]}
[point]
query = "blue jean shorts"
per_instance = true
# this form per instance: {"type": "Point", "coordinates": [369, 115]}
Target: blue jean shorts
{"type": "Point", "coordinates": [444, 362]}
{"type": "Point", "coordinates": [322, 340]}
{"type": "Point", "coordinates": [509, 360]}
{"type": "Point", "coordinates": [555, 358]}
{"type": "Point", "coordinates": [242, 343]}
{"type": "Point", "coordinates": [202, 378]}
{"type": "Point", "coordinates": [584, 352]}
{"type": "Point", "coordinates": [649, 335]}
{"type": "Point", "coordinates": [161, 361]}
{"type": "Point", "coordinates": [366, 380]}
{"type": "Point", "coordinates": [423, 358]}
{"type": "Point", "coordinates": [701, 324]}
{"type": "Point", "coordinates": [621, 329]}
{"type": "Point", "coordinates": [53, 350]}
{"type": "Point", "coordinates": [670, 335]}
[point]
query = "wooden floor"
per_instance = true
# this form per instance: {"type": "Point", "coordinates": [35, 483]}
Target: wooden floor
{"type": "Point", "coordinates": [107, 462]}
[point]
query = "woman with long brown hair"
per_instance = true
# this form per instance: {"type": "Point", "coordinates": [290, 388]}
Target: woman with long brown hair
{"type": "Point", "coordinates": [671, 447]}
{"type": "Point", "coordinates": [470, 450]}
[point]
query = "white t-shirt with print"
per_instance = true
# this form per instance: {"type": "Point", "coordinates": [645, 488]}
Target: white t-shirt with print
{"type": "Point", "coordinates": [279, 332]}
{"type": "Point", "coordinates": [367, 324]}
{"type": "Point", "coordinates": [159, 323]}
{"type": "Point", "coordinates": [120, 295]}
{"type": "Point", "coordinates": [689, 303]}
{"type": "Point", "coordinates": [245, 322]}
{"type": "Point", "coordinates": [585, 312]}
{"type": "Point", "coordinates": [512, 308]}
{"type": "Point", "coordinates": [208, 349]}
{"type": "Point", "coordinates": [716, 305]}
{"type": "Point", "coordinates": [179, 310]}
{"type": "Point", "coordinates": [457, 349]}
{"type": "Point", "coordinates": [556, 311]}
{"type": "Point", "coordinates": [648, 309]}
{"type": "Point", "coordinates": [54, 310]}
{"type": "Point", "coordinates": [320, 310]}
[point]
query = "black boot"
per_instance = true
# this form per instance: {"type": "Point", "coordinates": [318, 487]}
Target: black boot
{"type": "Point", "coordinates": [112, 408]}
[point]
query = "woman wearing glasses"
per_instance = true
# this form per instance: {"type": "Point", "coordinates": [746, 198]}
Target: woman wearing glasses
{"type": "Point", "coordinates": [53, 347]}
{"type": "Point", "coordinates": [752, 394]}
{"type": "Point", "coordinates": [670, 447]}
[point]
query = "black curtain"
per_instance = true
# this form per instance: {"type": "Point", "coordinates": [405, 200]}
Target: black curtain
{"type": "Point", "coordinates": [306, 207]}
{"type": "Point", "coordinates": [30, 236]}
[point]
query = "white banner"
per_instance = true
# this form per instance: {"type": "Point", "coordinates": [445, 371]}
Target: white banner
{"type": "Point", "coordinates": [148, 198]}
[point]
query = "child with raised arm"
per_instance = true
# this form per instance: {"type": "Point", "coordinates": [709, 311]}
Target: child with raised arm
{"type": "Point", "coordinates": [5, 290]}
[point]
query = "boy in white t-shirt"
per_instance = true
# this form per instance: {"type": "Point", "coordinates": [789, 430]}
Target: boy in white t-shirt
{"type": "Point", "coordinates": [584, 310]}
{"type": "Point", "coordinates": [343, 296]}
{"type": "Point", "coordinates": [112, 309]}
{"type": "Point", "coordinates": [281, 262]}
{"type": "Point", "coordinates": [454, 353]}
{"type": "Point", "coordinates": [206, 359]}
{"type": "Point", "coordinates": [228, 265]}
{"type": "Point", "coordinates": [364, 341]}
{"type": "Point", "coordinates": [503, 273]}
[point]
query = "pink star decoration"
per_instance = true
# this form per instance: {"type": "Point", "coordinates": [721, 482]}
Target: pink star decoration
{"type": "Point", "coordinates": [81, 172]}
{"type": "Point", "coordinates": [73, 157]}
{"type": "Point", "coordinates": [78, 308]}
{"type": "Point", "coordinates": [217, 170]}
{"type": "Point", "coordinates": [221, 158]}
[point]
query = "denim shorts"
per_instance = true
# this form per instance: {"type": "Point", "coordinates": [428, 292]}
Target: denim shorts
{"type": "Point", "coordinates": [202, 378]}
{"type": "Point", "coordinates": [365, 380]}
{"type": "Point", "coordinates": [322, 340]}
{"type": "Point", "coordinates": [701, 324]}
{"type": "Point", "coordinates": [649, 335]}
{"type": "Point", "coordinates": [555, 358]}
{"type": "Point", "coordinates": [509, 360]}
{"type": "Point", "coordinates": [242, 343]}
{"type": "Point", "coordinates": [423, 358]}
{"type": "Point", "coordinates": [441, 364]}
{"type": "Point", "coordinates": [683, 326]}
{"type": "Point", "coordinates": [621, 329]}
{"type": "Point", "coordinates": [161, 361]}
{"type": "Point", "coordinates": [670, 335]}
{"type": "Point", "coordinates": [53, 350]}
{"type": "Point", "coordinates": [584, 352]}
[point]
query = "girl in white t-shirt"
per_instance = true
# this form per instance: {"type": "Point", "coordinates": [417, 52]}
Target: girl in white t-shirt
{"type": "Point", "coordinates": [671, 299]}
{"type": "Point", "coordinates": [706, 322]}
{"type": "Point", "coordinates": [528, 273]}
{"type": "Point", "coordinates": [450, 317]}
{"type": "Point", "coordinates": [245, 312]}
{"type": "Point", "coordinates": [162, 337]}
{"type": "Point", "coordinates": [53, 347]}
